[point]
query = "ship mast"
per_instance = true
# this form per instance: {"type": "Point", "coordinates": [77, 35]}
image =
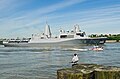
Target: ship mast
{"type": "Point", "coordinates": [47, 31]}
{"type": "Point", "coordinates": [76, 28]}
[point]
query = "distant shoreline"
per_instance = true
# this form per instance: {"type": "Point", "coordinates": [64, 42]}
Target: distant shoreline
{"type": "Point", "coordinates": [112, 41]}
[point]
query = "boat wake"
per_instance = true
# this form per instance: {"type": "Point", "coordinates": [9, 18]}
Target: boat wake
{"type": "Point", "coordinates": [75, 49]}
{"type": "Point", "coordinates": [80, 49]}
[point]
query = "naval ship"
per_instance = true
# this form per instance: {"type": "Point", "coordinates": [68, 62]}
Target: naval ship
{"type": "Point", "coordinates": [74, 37]}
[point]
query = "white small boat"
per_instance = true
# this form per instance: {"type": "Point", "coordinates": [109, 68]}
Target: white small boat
{"type": "Point", "coordinates": [97, 48]}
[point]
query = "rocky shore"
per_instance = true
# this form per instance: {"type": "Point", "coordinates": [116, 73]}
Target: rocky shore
{"type": "Point", "coordinates": [89, 71]}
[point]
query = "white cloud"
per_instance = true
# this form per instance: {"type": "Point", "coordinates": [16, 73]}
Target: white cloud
{"type": "Point", "coordinates": [27, 19]}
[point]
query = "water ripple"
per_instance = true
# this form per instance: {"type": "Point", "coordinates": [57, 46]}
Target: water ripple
{"type": "Point", "coordinates": [42, 63]}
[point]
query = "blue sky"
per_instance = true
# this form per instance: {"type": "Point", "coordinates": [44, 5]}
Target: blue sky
{"type": "Point", "coordinates": [21, 18]}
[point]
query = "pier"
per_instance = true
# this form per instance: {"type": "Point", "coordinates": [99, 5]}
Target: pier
{"type": "Point", "coordinates": [89, 71]}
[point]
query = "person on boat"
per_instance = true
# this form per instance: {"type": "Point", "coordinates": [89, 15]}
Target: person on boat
{"type": "Point", "coordinates": [75, 59]}
{"type": "Point", "coordinates": [97, 48]}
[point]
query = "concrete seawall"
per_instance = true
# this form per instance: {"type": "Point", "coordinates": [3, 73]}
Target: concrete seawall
{"type": "Point", "coordinates": [89, 71]}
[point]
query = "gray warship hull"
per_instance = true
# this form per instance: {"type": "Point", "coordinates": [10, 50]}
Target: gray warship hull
{"type": "Point", "coordinates": [71, 42]}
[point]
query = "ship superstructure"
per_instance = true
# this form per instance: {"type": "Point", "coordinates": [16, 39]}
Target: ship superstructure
{"type": "Point", "coordinates": [70, 38]}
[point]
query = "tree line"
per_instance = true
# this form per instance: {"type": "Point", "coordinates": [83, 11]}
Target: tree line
{"type": "Point", "coordinates": [109, 36]}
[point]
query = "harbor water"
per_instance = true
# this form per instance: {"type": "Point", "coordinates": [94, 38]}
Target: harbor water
{"type": "Point", "coordinates": [42, 63]}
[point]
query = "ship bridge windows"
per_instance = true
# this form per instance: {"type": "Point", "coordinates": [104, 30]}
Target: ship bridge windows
{"type": "Point", "coordinates": [63, 36]}
{"type": "Point", "coordinates": [80, 34]}
{"type": "Point", "coordinates": [66, 36]}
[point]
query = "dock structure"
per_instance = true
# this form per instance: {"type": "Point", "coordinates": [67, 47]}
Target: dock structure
{"type": "Point", "coordinates": [89, 71]}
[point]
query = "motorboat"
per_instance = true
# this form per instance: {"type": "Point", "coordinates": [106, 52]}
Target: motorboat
{"type": "Point", "coordinates": [97, 48]}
